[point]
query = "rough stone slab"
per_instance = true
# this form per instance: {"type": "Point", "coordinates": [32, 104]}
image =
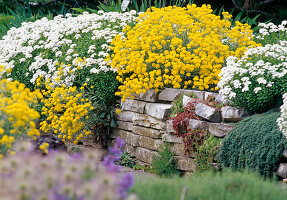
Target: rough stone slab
{"type": "Point", "coordinates": [149, 143]}
{"type": "Point", "coordinates": [88, 140]}
{"type": "Point", "coordinates": [282, 170]}
{"type": "Point", "coordinates": [125, 125]}
{"type": "Point", "coordinates": [207, 94]}
{"type": "Point", "coordinates": [186, 100]}
{"type": "Point", "coordinates": [149, 96]}
{"type": "Point", "coordinates": [129, 149]}
{"type": "Point", "coordinates": [169, 94]}
{"type": "Point", "coordinates": [145, 155]}
{"type": "Point", "coordinates": [171, 138]}
{"type": "Point", "coordinates": [133, 105]}
{"type": "Point", "coordinates": [128, 137]}
{"type": "Point", "coordinates": [158, 110]}
{"type": "Point", "coordinates": [195, 124]}
{"type": "Point", "coordinates": [231, 114]}
{"type": "Point", "coordinates": [148, 121]}
{"type": "Point", "coordinates": [149, 132]}
{"type": "Point", "coordinates": [207, 112]}
{"type": "Point", "coordinates": [199, 94]}
{"type": "Point", "coordinates": [185, 164]}
{"type": "Point", "coordinates": [169, 126]}
{"type": "Point", "coordinates": [219, 99]}
{"type": "Point", "coordinates": [220, 129]}
{"type": "Point", "coordinates": [178, 150]}
{"type": "Point", "coordinates": [126, 116]}
{"type": "Point", "coordinates": [285, 153]}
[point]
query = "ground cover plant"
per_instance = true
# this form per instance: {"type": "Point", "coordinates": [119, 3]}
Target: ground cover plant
{"type": "Point", "coordinates": [256, 143]}
{"type": "Point", "coordinates": [169, 47]}
{"type": "Point", "coordinates": [209, 186]}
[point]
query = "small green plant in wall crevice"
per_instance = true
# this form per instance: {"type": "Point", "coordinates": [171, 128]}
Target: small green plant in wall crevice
{"type": "Point", "coordinates": [164, 164]}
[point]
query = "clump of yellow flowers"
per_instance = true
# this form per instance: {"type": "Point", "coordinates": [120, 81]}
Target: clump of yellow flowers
{"type": "Point", "coordinates": [44, 147]}
{"type": "Point", "coordinates": [176, 47]}
{"type": "Point", "coordinates": [17, 116]}
{"type": "Point", "coordinates": [67, 111]}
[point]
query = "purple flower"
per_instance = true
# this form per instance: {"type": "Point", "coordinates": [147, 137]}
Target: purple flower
{"type": "Point", "coordinates": [114, 155]}
{"type": "Point", "coordinates": [127, 180]}
{"type": "Point", "coordinates": [125, 184]}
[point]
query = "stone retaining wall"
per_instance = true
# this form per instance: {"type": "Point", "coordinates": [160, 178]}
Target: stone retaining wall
{"type": "Point", "coordinates": [144, 124]}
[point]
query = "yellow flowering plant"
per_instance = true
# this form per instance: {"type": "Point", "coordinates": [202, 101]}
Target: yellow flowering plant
{"type": "Point", "coordinates": [67, 112]}
{"type": "Point", "coordinates": [17, 116]}
{"type": "Point", "coordinates": [176, 47]}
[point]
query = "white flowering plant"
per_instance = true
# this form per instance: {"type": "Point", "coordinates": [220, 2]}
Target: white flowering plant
{"type": "Point", "coordinates": [65, 50]}
{"type": "Point", "coordinates": [257, 81]}
{"type": "Point", "coordinates": [282, 120]}
{"type": "Point", "coordinates": [271, 34]}
{"type": "Point", "coordinates": [69, 51]}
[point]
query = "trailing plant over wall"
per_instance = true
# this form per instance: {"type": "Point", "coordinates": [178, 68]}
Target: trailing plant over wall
{"type": "Point", "coordinates": [170, 47]}
{"type": "Point", "coordinates": [256, 143]}
{"type": "Point", "coordinates": [177, 104]}
{"type": "Point", "coordinates": [192, 138]}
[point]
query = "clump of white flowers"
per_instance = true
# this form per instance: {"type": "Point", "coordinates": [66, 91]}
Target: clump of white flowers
{"type": "Point", "coordinates": [255, 81]}
{"type": "Point", "coordinates": [282, 120]}
{"type": "Point", "coordinates": [270, 33]}
{"type": "Point", "coordinates": [64, 49]}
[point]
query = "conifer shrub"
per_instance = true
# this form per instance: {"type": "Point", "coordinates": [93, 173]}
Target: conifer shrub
{"type": "Point", "coordinates": [255, 143]}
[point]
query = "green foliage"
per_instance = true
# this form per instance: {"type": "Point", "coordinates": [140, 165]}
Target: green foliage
{"type": "Point", "coordinates": [177, 104]}
{"type": "Point", "coordinates": [15, 15]}
{"type": "Point", "coordinates": [110, 6]}
{"type": "Point", "coordinates": [144, 167]}
{"type": "Point", "coordinates": [103, 99]}
{"type": "Point", "coordinates": [209, 186]}
{"type": "Point", "coordinates": [256, 143]}
{"type": "Point", "coordinates": [139, 5]}
{"type": "Point", "coordinates": [164, 164]}
{"type": "Point", "coordinates": [126, 160]}
{"type": "Point", "coordinates": [271, 37]}
{"type": "Point", "coordinates": [242, 18]}
{"type": "Point", "coordinates": [206, 154]}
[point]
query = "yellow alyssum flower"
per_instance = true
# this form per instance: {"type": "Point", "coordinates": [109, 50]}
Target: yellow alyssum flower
{"type": "Point", "coordinates": [118, 111]}
{"type": "Point", "coordinates": [67, 111]}
{"type": "Point", "coordinates": [17, 117]}
{"type": "Point", "coordinates": [176, 47]}
{"type": "Point", "coordinates": [44, 147]}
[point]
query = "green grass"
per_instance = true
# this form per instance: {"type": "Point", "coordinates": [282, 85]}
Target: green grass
{"type": "Point", "coordinates": [208, 186]}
